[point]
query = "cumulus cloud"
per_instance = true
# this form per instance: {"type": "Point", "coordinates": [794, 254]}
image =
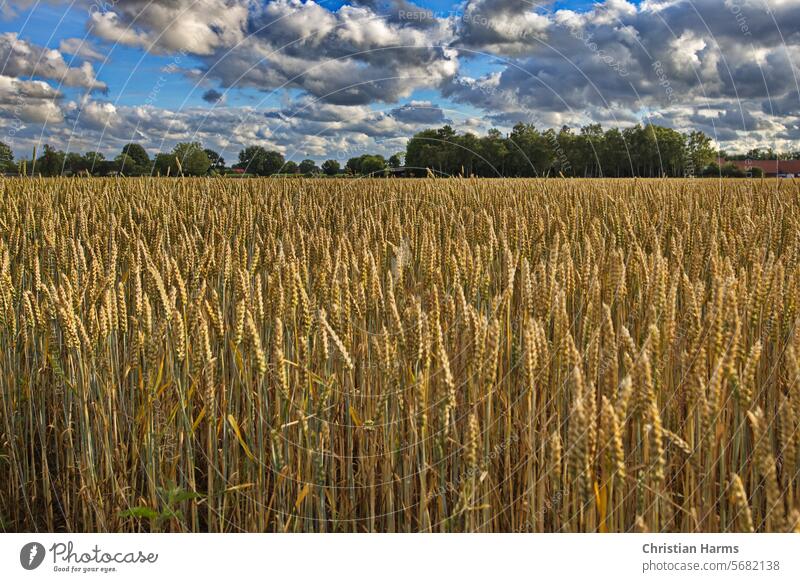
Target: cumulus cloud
{"type": "Point", "coordinates": [662, 60]}
{"type": "Point", "coordinates": [29, 101]}
{"type": "Point", "coordinates": [304, 128]}
{"type": "Point", "coordinates": [351, 55]}
{"type": "Point", "coordinates": [80, 47]}
{"type": "Point", "coordinates": [420, 112]}
{"type": "Point", "coordinates": [24, 59]}
{"type": "Point", "coordinates": [728, 67]}
{"type": "Point", "coordinates": [165, 26]}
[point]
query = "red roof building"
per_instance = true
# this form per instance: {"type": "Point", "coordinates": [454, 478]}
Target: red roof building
{"type": "Point", "coordinates": [771, 168]}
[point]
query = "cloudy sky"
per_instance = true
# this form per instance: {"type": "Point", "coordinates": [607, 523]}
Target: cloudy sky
{"type": "Point", "coordinates": [337, 79]}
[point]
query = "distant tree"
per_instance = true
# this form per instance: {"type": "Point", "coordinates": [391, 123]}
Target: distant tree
{"type": "Point", "coordinates": [259, 160]}
{"type": "Point", "coordinates": [192, 157]}
{"type": "Point", "coordinates": [186, 158]}
{"type": "Point", "coordinates": [396, 160]}
{"type": "Point", "coordinates": [127, 166]}
{"type": "Point", "coordinates": [164, 165]}
{"type": "Point", "coordinates": [526, 151]}
{"type": "Point", "coordinates": [6, 158]}
{"type": "Point", "coordinates": [421, 152]}
{"type": "Point", "coordinates": [91, 162]}
{"type": "Point", "coordinates": [372, 165]}
{"type": "Point", "coordinates": [591, 147]}
{"type": "Point", "coordinates": [493, 153]}
{"type": "Point", "coordinates": [614, 161]}
{"type": "Point", "coordinates": [217, 161]}
{"type": "Point", "coordinates": [367, 165]}
{"type": "Point", "coordinates": [731, 170]}
{"type": "Point", "coordinates": [74, 163]}
{"type": "Point", "coordinates": [290, 167]}
{"type": "Point", "coordinates": [759, 154]}
{"type": "Point", "coordinates": [51, 162]}
{"type": "Point", "coordinates": [137, 153]}
{"type": "Point", "coordinates": [307, 167]}
{"type": "Point", "coordinates": [133, 160]}
{"type": "Point", "coordinates": [466, 153]}
{"type": "Point", "coordinates": [699, 151]}
{"type": "Point", "coordinates": [330, 167]}
{"type": "Point", "coordinates": [273, 163]}
{"type": "Point", "coordinates": [532, 153]}
{"type": "Point", "coordinates": [250, 158]}
{"type": "Point", "coordinates": [353, 165]}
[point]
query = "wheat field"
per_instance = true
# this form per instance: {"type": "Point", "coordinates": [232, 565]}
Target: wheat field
{"type": "Point", "coordinates": [449, 355]}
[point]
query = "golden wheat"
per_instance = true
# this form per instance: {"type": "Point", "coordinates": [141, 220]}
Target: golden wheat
{"type": "Point", "coordinates": [399, 355]}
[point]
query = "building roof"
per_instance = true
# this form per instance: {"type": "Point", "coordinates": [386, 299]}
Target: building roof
{"type": "Point", "coordinates": [768, 166]}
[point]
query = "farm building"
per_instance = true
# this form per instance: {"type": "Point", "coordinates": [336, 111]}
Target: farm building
{"type": "Point", "coordinates": [771, 168]}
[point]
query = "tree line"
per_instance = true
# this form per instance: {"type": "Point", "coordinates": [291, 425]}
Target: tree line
{"type": "Point", "coordinates": [642, 150]}
{"type": "Point", "coordinates": [185, 159]}
{"type": "Point", "coordinates": [646, 151]}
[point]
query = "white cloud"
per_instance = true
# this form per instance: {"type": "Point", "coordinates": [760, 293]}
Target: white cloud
{"type": "Point", "coordinates": [702, 62]}
{"type": "Point", "coordinates": [24, 59]}
{"type": "Point", "coordinates": [29, 101]}
{"type": "Point", "coordinates": [80, 47]}
{"type": "Point", "coordinates": [164, 26]}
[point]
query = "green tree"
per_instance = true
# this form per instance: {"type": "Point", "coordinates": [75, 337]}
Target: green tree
{"type": "Point", "coordinates": [91, 159]}
{"type": "Point", "coordinates": [133, 160]}
{"type": "Point", "coordinates": [290, 167]}
{"type": "Point", "coordinates": [699, 151]}
{"type": "Point", "coordinates": [164, 165]}
{"type": "Point", "coordinates": [217, 161]}
{"type": "Point", "coordinates": [51, 162]}
{"type": "Point", "coordinates": [273, 163]}
{"type": "Point", "coordinates": [307, 167]}
{"type": "Point", "coordinates": [422, 152]}
{"type": "Point", "coordinates": [465, 153]}
{"type": "Point", "coordinates": [330, 167]}
{"type": "Point", "coordinates": [614, 160]}
{"type": "Point", "coordinates": [731, 170]}
{"type": "Point", "coordinates": [367, 165]}
{"type": "Point", "coordinates": [6, 158]}
{"type": "Point", "coordinates": [591, 144]}
{"type": "Point", "coordinates": [137, 153]}
{"type": "Point", "coordinates": [259, 160]}
{"type": "Point", "coordinates": [74, 163]}
{"type": "Point", "coordinates": [353, 166]}
{"type": "Point", "coordinates": [192, 157]}
{"type": "Point", "coordinates": [531, 153]}
{"type": "Point", "coordinates": [396, 160]}
{"type": "Point", "coordinates": [493, 154]}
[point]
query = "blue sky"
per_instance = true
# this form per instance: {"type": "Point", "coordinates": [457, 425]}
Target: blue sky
{"type": "Point", "coordinates": [331, 78]}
